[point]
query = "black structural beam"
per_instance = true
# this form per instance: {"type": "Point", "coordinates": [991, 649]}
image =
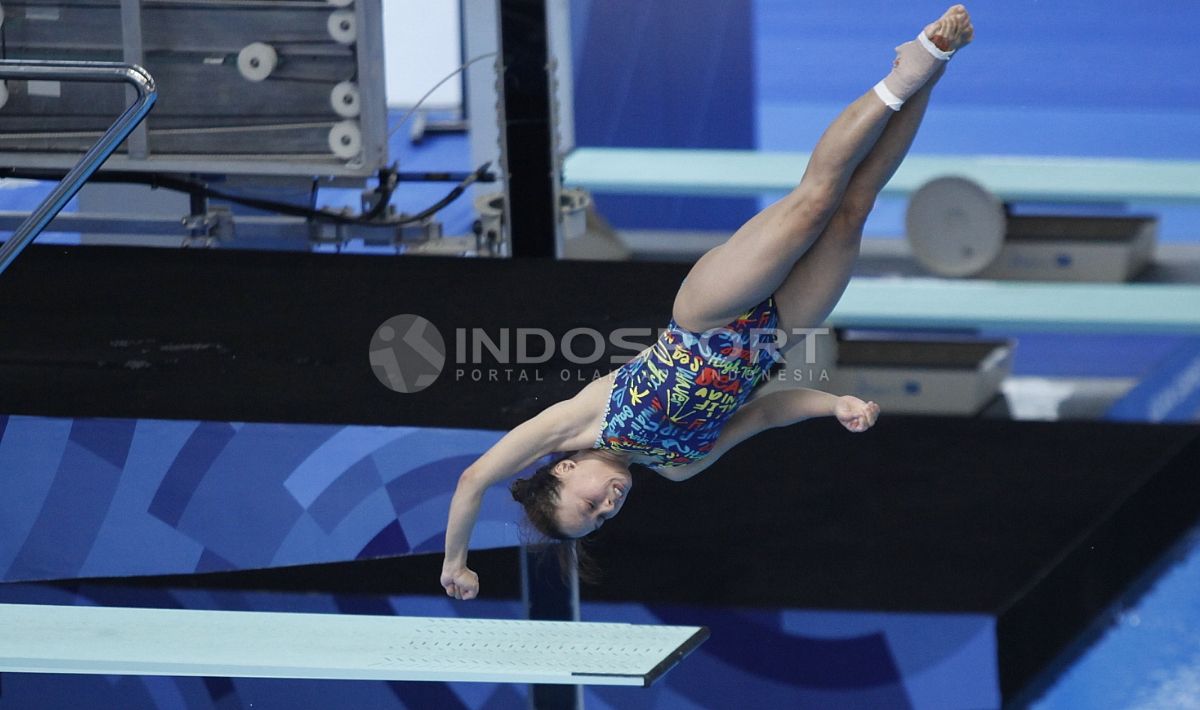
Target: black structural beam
{"type": "Point", "coordinates": [527, 129]}
{"type": "Point", "coordinates": [528, 157]}
{"type": "Point", "coordinates": [550, 594]}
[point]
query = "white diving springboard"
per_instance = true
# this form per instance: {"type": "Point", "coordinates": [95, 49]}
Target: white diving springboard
{"type": "Point", "coordinates": [881, 302]}
{"type": "Point", "coordinates": [127, 641]}
{"type": "Point", "coordinates": [751, 173]}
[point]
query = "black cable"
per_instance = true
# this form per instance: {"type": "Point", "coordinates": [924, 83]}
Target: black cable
{"type": "Point", "coordinates": [387, 185]}
{"type": "Point", "coordinates": [195, 188]}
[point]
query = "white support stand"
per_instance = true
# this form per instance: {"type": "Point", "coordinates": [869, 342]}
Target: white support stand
{"type": "Point", "coordinates": [126, 641]}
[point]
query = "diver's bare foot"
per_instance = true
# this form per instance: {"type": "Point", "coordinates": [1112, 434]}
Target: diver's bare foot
{"type": "Point", "coordinates": [952, 30]}
{"type": "Point", "coordinates": [924, 58]}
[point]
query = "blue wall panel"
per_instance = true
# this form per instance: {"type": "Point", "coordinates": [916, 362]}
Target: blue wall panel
{"type": "Point", "coordinates": [670, 73]}
{"type": "Point", "coordinates": [98, 497]}
{"type": "Point", "coordinates": [1169, 393]}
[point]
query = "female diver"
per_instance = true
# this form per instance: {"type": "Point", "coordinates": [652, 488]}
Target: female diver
{"type": "Point", "coordinates": [782, 271]}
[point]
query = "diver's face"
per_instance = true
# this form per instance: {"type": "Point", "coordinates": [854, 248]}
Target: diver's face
{"type": "Point", "coordinates": [592, 491]}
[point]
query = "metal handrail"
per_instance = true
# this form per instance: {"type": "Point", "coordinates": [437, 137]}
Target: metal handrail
{"type": "Point", "coordinates": [36, 70]}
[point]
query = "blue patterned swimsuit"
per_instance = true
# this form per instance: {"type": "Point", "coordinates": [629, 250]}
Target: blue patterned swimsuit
{"type": "Point", "coordinates": [670, 403]}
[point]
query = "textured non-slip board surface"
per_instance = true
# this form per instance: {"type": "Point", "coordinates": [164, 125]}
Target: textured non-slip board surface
{"type": "Point", "coordinates": [128, 641]}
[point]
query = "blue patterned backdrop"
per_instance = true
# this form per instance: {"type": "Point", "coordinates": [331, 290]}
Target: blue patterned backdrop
{"type": "Point", "coordinates": [97, 497]}
{"type": "Point", "coordinates": [100, 497]}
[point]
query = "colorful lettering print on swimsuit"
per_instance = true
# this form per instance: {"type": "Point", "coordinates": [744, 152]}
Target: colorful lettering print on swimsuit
{"type": "Point", "coordinates": [671, 402]}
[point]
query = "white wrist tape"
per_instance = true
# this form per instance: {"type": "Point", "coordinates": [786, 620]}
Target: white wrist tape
{"type": "Point", "coordinates": [885, 95]}
{"type": "Point", "coordinates": [933, 48]}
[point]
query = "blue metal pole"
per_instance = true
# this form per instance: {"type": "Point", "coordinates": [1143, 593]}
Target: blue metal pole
{"type": "Point", "coordinates": [147, 93]}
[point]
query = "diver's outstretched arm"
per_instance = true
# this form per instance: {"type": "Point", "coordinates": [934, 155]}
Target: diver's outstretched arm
{"type": "Point", "coordinates": [780, 409]}
{"type": "Point", "coordinates": [565, 426]}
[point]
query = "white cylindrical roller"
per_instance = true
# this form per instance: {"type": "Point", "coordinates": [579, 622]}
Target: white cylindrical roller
{"type": "Point", "coordinates": [3, 94]}
{"type": "Point", "coordinates": [490, 208]}
{"type": "Point", "coordinates": [340, 3]}
{"type": "Point", "coordinates": [955, 226]}
{"type": "Point", "coordinates": [345, 100]}
{"type": "Point", "coordinates": [343, 28]}
{"type": "Point", "coordinates": [345, 139]}
{"type": "Point", "coordinates": [574, 204]}
{"type": "Point", "coordinates": [257, 60]}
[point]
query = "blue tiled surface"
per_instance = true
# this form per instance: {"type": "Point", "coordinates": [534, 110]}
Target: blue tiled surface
{"type": "Point", "coordinates": [1149, 658]}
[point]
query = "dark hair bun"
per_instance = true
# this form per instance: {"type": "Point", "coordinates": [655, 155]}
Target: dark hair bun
{"type": "Point", "coordinates": [520, 490]}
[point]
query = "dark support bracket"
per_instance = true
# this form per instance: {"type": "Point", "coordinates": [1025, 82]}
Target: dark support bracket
{"type": "Point", "coordinates": [527, 131]}
{"type": "Point", "coordinates": [550, 597]}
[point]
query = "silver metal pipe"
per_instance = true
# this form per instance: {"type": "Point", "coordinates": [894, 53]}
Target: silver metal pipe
{"type": "Point", "coordinates": [138, 143]}
{"type": "Point", "coordinates": [91, 161]}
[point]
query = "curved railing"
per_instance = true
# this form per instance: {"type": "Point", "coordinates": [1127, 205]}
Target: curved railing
{"type": "Point", "coordinates": [30, 70]}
